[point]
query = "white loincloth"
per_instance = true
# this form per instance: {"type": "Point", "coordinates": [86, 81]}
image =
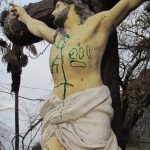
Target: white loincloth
{"type": "Point", "coordinates": [82, 121]}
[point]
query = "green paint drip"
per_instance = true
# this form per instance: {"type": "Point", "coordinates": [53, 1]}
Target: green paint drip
{"type": "Point", "coordinates": [46, 147]}
{"type": "Point", "coordinates": [60, 46]}
{"type": "Point", "coordinates": [55, 64]}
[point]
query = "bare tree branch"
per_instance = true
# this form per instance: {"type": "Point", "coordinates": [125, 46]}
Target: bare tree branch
{"type": "Point", "coordinates": [23, 97]}
{"type": "Point", "coordinates": [30, 129]}
{"type": "Point", "coordinates": [131, 69]}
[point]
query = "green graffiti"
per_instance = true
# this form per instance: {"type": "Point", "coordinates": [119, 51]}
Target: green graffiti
{"type": "Point", "coordinates": [73, 54]}
{"type": "Point", "coordinates": [55, 65]}
{"type": "Point", "coordinates": [78, 44]}
{"type": "Point", "coordinates": [64, 83]}
{"type": "Point", "coordinates": [77, 55]}
{"type": "Point", "coordinates": [66, 36]}
{"type": "Point", "coordinates": [76, 63]}
{"type": "Point", "coordinates": [46, 147]}
{"type": "Point", "coordinates": [81, 53]}
{"type": "Point", "coordinates": [60, 47]}
{"type": "Point", "coordinates": [88, 51]}
{"type": "Point", "coordinates": [62, 42]}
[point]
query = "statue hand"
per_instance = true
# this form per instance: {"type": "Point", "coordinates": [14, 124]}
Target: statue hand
{"type": "Point", "coordinates": [17, 11]}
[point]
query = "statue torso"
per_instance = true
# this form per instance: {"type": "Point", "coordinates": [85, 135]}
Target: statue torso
{"type": "Point", "coordinates": [75, 61]}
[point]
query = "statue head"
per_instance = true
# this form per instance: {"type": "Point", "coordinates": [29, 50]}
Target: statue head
{"type": "Point", "coordinates": [81, 8]}
{"type": "Point", "coordinates": [60, 13]}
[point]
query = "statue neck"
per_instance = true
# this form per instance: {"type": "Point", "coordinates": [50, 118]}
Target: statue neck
{"type": "Point", "coordinates": [72, 21]}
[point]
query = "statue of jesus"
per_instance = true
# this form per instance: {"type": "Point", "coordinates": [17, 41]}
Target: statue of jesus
{"type": "Point", "coordinates": [78, 114]}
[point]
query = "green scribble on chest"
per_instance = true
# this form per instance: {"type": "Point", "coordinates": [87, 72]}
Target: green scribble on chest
{"type": "Point", "coordinates": [46, 147]}
{"type": "Point", "coordinates": [54, 64]}
{"type": "Point", "coordinates": [77, 55]}
{"type": "Point", "coordinates": [60, 47]}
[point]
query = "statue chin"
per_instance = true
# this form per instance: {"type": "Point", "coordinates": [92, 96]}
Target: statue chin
{"type": "Point", "coordinates": [61, 17]}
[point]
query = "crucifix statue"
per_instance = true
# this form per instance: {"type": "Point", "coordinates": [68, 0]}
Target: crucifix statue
{"type": "Point", "coordinates": [78, 114]}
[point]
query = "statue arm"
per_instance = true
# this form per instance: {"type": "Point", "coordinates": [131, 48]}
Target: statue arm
{"type": "Point", "coordinates": [118, 13]}
{"type": "Point", "coordinates": [106, 21]}
{"type": "Point", "coordinates": [36, 27]}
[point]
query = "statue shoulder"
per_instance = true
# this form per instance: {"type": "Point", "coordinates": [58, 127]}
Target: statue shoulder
{"type": "Point", "coordinates": [100, 22]}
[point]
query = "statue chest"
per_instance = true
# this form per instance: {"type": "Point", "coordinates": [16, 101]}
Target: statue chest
{"type": "Point", "coordinates": [70, 53]}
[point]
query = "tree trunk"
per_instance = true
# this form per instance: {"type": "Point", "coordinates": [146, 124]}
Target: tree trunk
{"type": "Point", "coordinates": [16, 121]}
{"type": "Point", "coordinates": [16, 78]}
{"type": "Point", "coordinates": [110, 76]}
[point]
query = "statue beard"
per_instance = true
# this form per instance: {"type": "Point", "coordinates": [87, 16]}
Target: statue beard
{"type": "Point", "coordinates": [61, 17]}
